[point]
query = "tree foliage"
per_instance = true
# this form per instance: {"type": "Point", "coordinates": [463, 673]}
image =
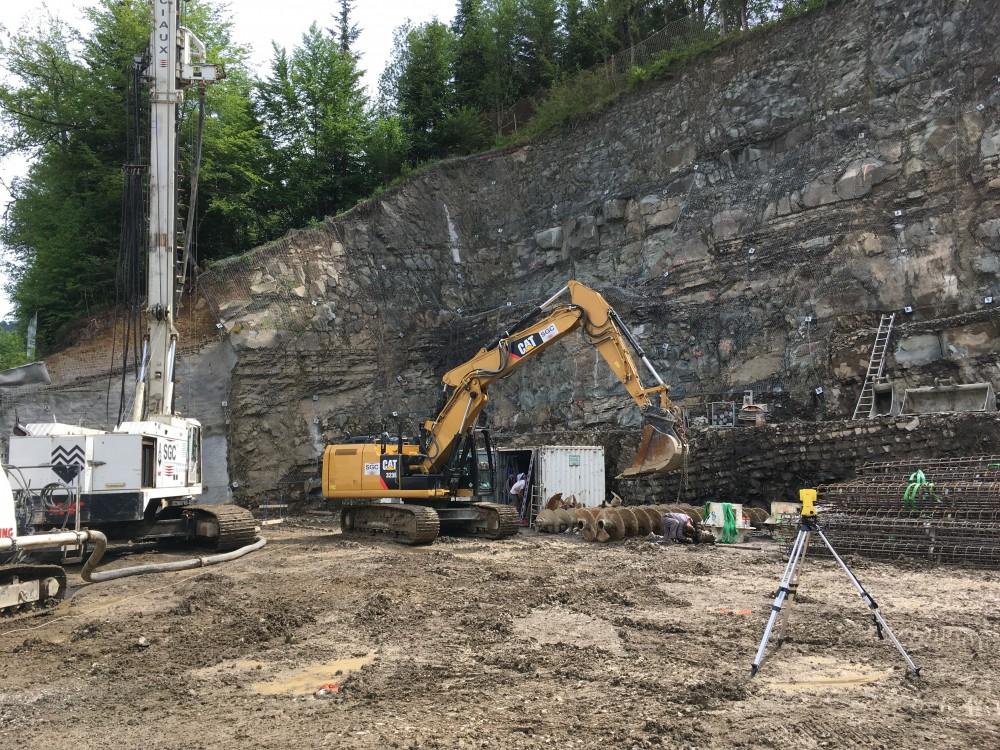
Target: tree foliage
{"type": "Point", "coordinates": [301, 140]}
{"type": "Point", "coordinates": [64, 104]}
{"type": "Point", "coordinates": [499, 52]}
{"type": "Point", "coordinates": [313, 113]}
{"type": "Point", "coordinates": [12, 349]}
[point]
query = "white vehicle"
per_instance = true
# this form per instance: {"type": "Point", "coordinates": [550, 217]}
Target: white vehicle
{"type": "Point", "coordinates": [140, 480]}
{"type": "Point", "coordinates": [119, 476]}
{"type": "Point", "coordinates": [24, 584]}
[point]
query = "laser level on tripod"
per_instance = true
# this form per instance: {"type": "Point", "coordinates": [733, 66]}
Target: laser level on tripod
{"type": "Point", "coordinates": [787, 589]}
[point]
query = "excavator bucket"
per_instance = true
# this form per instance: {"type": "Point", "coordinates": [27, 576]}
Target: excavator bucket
{"type": "Point", "coordinates": [660, 451]}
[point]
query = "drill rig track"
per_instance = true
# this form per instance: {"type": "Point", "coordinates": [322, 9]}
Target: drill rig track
{"type": "Point", "coordinates": [48, 596]}
{"type": "Point", "coordinates": [236, 526]}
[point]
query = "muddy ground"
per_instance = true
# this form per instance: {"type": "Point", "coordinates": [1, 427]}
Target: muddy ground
{"type": "Point", "coordinates": [533, 642]}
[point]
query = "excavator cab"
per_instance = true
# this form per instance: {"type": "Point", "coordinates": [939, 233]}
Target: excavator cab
{"type": "Point", "coordinates": [471, 467]}
{"type": "Point", "coordinates": [484, 463]}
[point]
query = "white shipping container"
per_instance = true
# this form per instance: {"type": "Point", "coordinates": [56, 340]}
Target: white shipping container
{"type": "Point", "coordinates": [570, 469]}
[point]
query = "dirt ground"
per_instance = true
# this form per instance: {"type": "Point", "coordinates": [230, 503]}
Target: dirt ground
{"type": "Point", "coordinates": [534, 642]}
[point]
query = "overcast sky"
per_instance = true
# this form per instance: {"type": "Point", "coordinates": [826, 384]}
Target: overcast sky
{"type": "Point", "coordinates": [256, 23]}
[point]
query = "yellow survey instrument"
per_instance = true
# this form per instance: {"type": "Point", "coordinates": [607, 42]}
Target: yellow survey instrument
{"type": "Point", "coordinates": [808, 500]}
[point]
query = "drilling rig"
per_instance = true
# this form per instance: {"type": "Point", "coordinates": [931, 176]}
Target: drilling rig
{"type": "Point", "coordinates": [140, 480]}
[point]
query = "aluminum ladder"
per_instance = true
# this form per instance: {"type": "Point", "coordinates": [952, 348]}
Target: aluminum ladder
{"type": "Point", "coordinates": [876, 366]}
{"type": "Point", "coordinates": [528, 510]}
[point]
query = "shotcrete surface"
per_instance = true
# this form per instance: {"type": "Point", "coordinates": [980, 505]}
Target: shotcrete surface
{"type": "Point", "coordinates": [529, 643]}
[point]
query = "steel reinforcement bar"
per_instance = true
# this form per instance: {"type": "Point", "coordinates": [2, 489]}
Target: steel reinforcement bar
{"type": "Point", "coordinates": [935, 466]}
{"type": "Point", "coordinates": [980, 556]}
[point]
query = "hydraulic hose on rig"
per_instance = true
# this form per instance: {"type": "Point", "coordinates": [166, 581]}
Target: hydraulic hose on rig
{"type": "Point", "coordinates": [89, 573]}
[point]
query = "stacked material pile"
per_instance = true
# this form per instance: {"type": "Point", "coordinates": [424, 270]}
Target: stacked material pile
{"type": "Point", "coordinates": [942, 510]}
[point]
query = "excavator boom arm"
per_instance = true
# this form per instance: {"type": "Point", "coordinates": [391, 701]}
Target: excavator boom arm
{"type": "Point", "coordinates": [546, 324]}
{"type": "Point", "coordinates": [612, 338]}
{"type": "Point", "coordinates": [470, 380]}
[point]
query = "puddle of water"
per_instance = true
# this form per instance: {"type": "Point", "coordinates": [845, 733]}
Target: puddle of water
{"type": "Point", "coordinates": [307, 680]}
{"type": "Point", "coordinates": [230, 665]}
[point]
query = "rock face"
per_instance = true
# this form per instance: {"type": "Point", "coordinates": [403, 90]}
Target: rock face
{"type": "Point", "coordinates": [762, 464]}
{"type": "Point", "coordinates": [749, 218]}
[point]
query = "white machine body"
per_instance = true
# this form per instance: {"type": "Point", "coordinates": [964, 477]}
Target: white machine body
{"type": "Point", "coordinates": [19, 588]}
{"type": "Point", "coordinates": [139, 461]}
{"type": "Point", "coordinates": [154, 459]}
{"type": "Point", "coordinates": [8, 520]}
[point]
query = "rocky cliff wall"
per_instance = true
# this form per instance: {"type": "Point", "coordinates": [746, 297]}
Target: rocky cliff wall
{"type": "Point", "coordinates": [749, 217]}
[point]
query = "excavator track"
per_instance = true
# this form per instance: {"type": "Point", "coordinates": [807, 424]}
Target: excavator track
{"type": "Point", "coordinates": [15, 575]}
{"type": "Point", "coordinates": [397, 522]}
{"type": "Point", "coordinates": [496, 521]}
{"type": "Point", "coordinates": [237, 526]}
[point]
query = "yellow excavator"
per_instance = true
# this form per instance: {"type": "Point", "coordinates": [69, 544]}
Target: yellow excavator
{"type": "Point", "coordinates": [407, 489]}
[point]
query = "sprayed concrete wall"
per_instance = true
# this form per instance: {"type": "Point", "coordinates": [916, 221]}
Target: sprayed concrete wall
{"type": "Point", "coordinates": [750, 217]}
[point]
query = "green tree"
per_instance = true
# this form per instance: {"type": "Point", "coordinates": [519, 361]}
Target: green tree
{"type": "Point", "coordinates": [386, 149]}
{"type": "Point", "coordinates": [313, 112]}
{"type": "Point", "coordinates": [469, 69]}
{"type": "Point", "coordinates": [231, 178]}
{"type": "Point", "coordinates": [233, 175]}
{"type": "Point", "coordinates": [12, 350]}
{"type": "Point", "coordinates": [61, 228]}
{"type": "Point", "coordinates": [418, 87]}
{"type": "Point", "coordinates": [503, 45]}
{"type": "Point", "coordinates": [587, 36]}
{"type": "Point", "coordinates": [542, 46]}
{"type": "Point", "coordinates": [347, 32]}
{"type": "Point", "coordinates": [64, 104]}
{"type": "Point", "coordinates": [425, 95]}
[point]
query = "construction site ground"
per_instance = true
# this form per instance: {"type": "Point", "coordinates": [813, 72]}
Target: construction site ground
{"type": "Point", "coordinates": [533, 642]}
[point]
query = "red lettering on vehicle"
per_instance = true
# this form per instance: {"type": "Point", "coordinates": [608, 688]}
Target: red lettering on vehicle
{"type": "Point", "coordinates": [6, 533]}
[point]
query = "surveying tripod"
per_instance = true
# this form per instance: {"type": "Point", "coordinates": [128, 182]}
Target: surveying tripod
{"type": "Point", "coordinates": [809, 525]}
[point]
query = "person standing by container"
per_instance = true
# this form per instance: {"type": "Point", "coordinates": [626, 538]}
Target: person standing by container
{"type": "Point", "coordinates": [517, 493]}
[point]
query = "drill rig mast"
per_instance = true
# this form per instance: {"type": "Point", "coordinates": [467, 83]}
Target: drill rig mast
{"type": "Point", "coordinates": [139, 480]}
{"type": "Point", "coordinates": [177, 63]}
